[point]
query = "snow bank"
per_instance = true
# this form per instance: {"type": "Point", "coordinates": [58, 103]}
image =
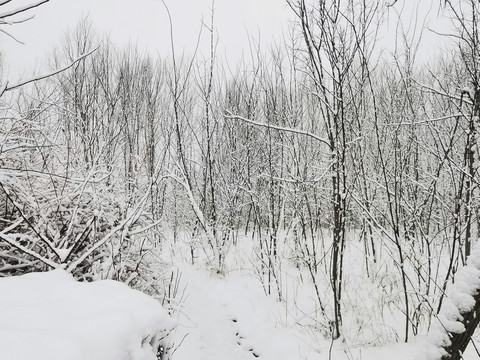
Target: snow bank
{"type": "Point", "coordinates": [459, 300]}
{"type": "Point", "coordinates": [50, 316]}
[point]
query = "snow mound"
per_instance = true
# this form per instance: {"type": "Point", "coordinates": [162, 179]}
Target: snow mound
{"type": "Point", "coordinates": [50, 316]}
{"type": "Point", "coordinates": [459, 300]}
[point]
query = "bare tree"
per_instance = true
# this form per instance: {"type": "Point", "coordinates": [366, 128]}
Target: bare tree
{"type": "Point", "coordinates": [333, 34]}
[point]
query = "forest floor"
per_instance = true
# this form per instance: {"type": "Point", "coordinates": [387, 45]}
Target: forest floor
{"type": "Point", "coordinates": [230, 317]}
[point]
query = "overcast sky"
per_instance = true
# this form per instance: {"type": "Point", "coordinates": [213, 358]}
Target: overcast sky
{"type": "Point", "coordinates": [145, 22]}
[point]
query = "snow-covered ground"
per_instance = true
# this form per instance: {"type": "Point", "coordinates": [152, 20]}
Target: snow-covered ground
{"type": "Point", "coordinates": [215, 317]}
{"type": "Point", "coordinates": [50, 316]}
{"type": "Point", "coordinates": [233, 319]}
{"type": "Point", "coordinates": [230, 317]}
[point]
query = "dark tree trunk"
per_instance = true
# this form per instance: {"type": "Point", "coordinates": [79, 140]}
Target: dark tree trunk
{"type": "Point", "coordinates": [459, 342]}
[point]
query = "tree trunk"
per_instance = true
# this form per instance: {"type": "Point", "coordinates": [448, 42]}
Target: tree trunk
{"type": "Point", "coordinates": [459, 342]}
{"type": "Point", "coordinates": [460, 313]}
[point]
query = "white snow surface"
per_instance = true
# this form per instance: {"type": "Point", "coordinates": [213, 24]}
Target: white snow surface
{"type": "Point", "coordinates": [231, 318]}
{"type": "Point", "coordinates": [459, 299]}
{"type": "Point", "coordinates": [50, 316]}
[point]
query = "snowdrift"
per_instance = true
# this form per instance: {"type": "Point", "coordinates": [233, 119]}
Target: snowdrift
{"type": "Point", "coordinates": [50, 316]}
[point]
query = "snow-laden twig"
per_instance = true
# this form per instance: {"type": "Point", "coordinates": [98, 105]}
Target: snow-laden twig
{"type": "Point", "coordinates": [11, 227]}
{"type": "Point", "coordinates": [79, 238]}
{"type": "Point", "coordinates": [196, 209]}
{"type": "Point", "coordinates": [229, 115]}
{"type": "Point", "coordinates": [436, 91]}
{"type": "Point", "coordinates": [124, 224]}
{"type": "Point", "coordinates": [6, 87]}
{"type": "Point", "coordinates": [427, 121]}
{"type": "Point", "coordinates": [146, 228]}
{"type": "Point", "coordinates": [32, 253]}
{"type": "Point", "coordinates": [19, 172]}
{"type": "Point", "coordinates": [27, 220]}
{"type": "Point", "coordinates": [21, 9]}
{"type": "Point", "coordinates": [4, 17]}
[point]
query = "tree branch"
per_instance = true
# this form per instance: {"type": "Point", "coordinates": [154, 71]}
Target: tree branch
{"type": "Point", "coordinates": [21, 9]}
{"type": "Point", "coordinates": [42, 77]}
{"type": "Point", "coordinates": [229, 115]}
{"type": "Point", "coordinates": [32, 253]}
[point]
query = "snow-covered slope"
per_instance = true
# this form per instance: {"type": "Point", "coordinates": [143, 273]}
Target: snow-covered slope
{"type": "Point", "coordinates": [50, 316]}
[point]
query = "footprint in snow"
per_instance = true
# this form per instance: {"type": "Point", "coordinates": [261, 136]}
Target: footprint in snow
{"type": "Point", "coordinates": [240, 340]}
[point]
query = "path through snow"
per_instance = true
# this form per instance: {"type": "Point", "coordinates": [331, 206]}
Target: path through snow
{"type": "Point", "coordinates": [233, 320]}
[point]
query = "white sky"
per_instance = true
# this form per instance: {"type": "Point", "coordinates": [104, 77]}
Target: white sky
{"type": "Point", "coordinates": [146, 24]}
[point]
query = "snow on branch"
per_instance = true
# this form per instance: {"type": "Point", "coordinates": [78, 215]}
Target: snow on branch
{"type": "Point", "coordinates": [229, 115]}
{"type": "Point", "coordinates": [44, 76]}
{"type": "Point", "coordinates": [125, 224]}
{"type": "Point", "coordinates": [32, 253]}
{"type": "Point", "coordinates": [20, 9]}
{"type": "Point", "coordinates": [5, 16]}
{"type": "Point", "coordinates": [195, 207]}
{"type": "Point", "coordinates": [459, 316]}
{"type": "Point", "coordinates": [442, 93]}
{"type": "Point", "coordinates": [427, 121]}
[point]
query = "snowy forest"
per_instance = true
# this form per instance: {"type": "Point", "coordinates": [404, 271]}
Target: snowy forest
{"type": "Point", "coordinates": [316, 200]}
